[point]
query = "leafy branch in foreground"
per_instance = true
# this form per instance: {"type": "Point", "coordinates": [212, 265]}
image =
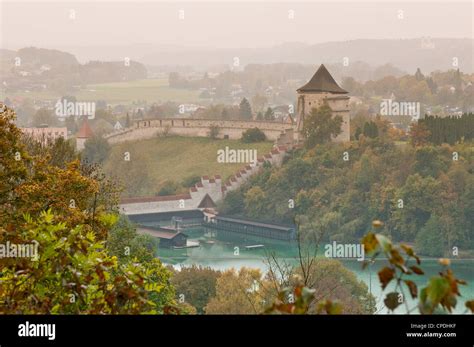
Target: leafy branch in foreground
{"type": "Point", "coordinates": [440, 294]}
{"type": "Point", "coordinates": [56, 217]}
{"type": "Point", "coordinates": [301, 299]}
{"type": "Point", "coordinates": [74, 274]}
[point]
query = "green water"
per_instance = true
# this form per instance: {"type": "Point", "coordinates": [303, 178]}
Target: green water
{"type": "Point", "coordinates": [222, 250]}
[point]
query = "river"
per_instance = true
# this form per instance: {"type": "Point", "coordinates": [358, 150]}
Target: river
{"type": "Point", "coordinates": [222, 250]}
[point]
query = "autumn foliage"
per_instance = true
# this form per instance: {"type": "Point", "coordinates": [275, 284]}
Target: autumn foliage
{"type": "Point", "coordinates": [63, 211]}
{"type": "Point", "coordinates": [441, 292]}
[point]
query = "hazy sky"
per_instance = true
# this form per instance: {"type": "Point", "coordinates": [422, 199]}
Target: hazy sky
{"type": "Point", "coordinates": [224, 24]}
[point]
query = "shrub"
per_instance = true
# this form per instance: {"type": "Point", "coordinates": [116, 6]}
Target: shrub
{"type": "Point", "coordinates": [168, 188]}
{"type": "Point", "coordinates": [191, 181]}
{"type": "Point", "coordinates": [253, 135]}
{"type": "Point", "coordinates": [214, 131]}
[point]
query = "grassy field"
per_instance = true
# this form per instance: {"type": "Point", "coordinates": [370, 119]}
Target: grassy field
{"type": "Point", "coordinates": [176, 158]}
{"type": "Point", "coordinates": [151, 90]}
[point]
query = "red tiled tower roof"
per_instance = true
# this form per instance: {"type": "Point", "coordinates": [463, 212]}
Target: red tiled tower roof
{"type": "Point", "coordinates": [85, 132]}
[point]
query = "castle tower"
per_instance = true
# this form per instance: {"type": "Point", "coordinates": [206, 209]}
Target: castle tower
{"type": "Point", "coordinates": [84, 133]}
{"type": "Point", "coordinates": [323, 88]}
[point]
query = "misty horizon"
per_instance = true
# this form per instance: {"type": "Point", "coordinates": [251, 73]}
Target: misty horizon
{"type": "Point", "coordinates": [134, 28]}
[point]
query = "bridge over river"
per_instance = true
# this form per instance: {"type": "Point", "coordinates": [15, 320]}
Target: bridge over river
{"type": "Point", "coordinates": [198, 217]}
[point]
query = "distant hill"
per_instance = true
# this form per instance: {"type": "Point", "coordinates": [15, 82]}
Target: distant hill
{"type": "Point", "coordinates": [6, 54]}
{"type": "Point", "coordinates": [30, 68]}
{"type": "Point", "coordinates": [33, 58]}
{"type": "Point", "coordinates": [406, 54]}
{"type": "Point", "coordinates": [51, 57]}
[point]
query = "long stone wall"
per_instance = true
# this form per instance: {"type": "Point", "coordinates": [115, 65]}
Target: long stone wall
{"type": "Point", "coordinates": [232, 129]}
{"type": "Point", "coordinates": [212, 186]}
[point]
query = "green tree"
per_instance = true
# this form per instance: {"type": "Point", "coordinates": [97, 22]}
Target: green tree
{"type": "Point", "coordinates": [419, 134]}
{"type": "Point", "coordinates": [237, 292]}
{"type": "Point", "coordinates": [357, 133]}
{"type": "Point", "coordinates": [370, 130]}
{"type": "Point", "coordinates": [245, 111]}
{"type": "Point", "coordinates": [431, 240]}
{"type": "Point", "coordinates": [96, 150]}
{"type": "Point", "coordinates": [13, 160]}
{"type": "Point", "coordinates": [467, 200]}
{"type": "Point", "coordinates": [44, 117]}
{"type": "Point", "coordinates": [126, 244]}
{"type": "Point", "coordinates": [59, 152]}
{"type": "Point", "coordinates": [428, 162]}
{"type": "Point", "coordinates": [224, 114]}
{"type": "Point", "coordinates": [196, 284]}
{"type": "Point", "coordinates": [269, 114]}
{"type": "Point", "coordinates": [330, 279]}
{"type": "Point", "coordinates": [320, 126]}
{"type": "Point", "coordinates": [233, 202]}
{"type": "Point", "coordinates": [127, 121]}
{"type": "Point", "coordinates": [255, 201]}
{"type": "Point", "coordinates": [421, 197]}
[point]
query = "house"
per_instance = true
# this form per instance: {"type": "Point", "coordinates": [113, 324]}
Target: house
{"type": "Point", "coordinates": [280, 112]}
{"type": "Point", "coordinates": [199, 113]}
{"type": "Point", "coordinates": [169, 237]}
{"type": "Point", "coordinates": [269, 91]}
{"type": "Point", "coordinates": [118, 126]}
{"type": "Point", "coordinates": [45, 134]}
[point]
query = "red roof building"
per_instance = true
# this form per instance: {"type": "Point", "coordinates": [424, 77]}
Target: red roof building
{"type": "Point", "coordinates": [85, 132]}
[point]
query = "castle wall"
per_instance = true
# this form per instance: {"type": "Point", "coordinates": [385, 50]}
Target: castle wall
{"type": "Point", "coordinates": [282, 134]}
{"type": "Point", "coordinates": [146, 129]}
{"type": "Point", "coordinates": [131, 208]}
{"type": "Point", "coordinates": [214, 187]}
